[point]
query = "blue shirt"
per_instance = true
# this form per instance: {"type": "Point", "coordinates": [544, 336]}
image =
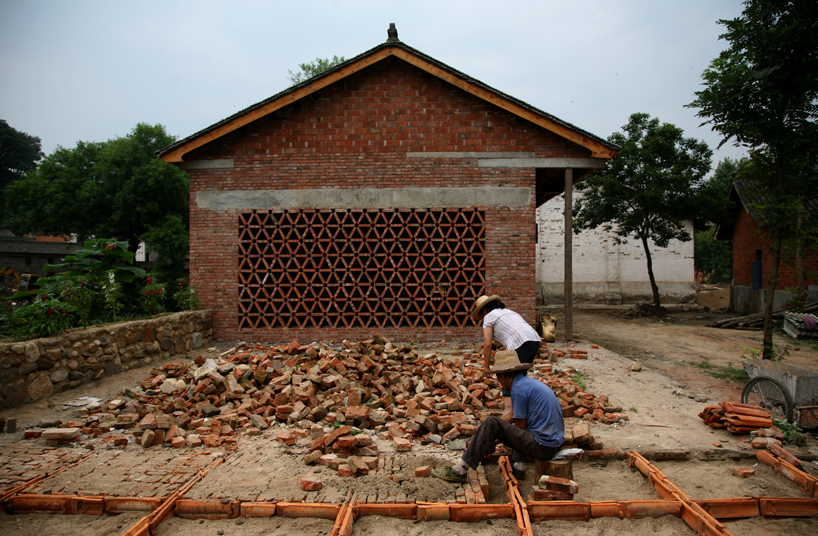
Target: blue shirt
{"type": "Point", "coordinates": [535, 402]}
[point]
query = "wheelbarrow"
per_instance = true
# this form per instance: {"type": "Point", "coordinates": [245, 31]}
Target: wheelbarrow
{"type": "Point", "coordinates": [788, 392]}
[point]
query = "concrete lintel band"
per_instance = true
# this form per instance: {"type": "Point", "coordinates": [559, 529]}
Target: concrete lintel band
{"type": "Point", "coordinates": [222, 163]}
{"type": "Point", "coordinates": [488, 196]}
{"type": "Point", "coordinates": [556, 163]}
{"type": "Point", "coordinates": [470, 154]}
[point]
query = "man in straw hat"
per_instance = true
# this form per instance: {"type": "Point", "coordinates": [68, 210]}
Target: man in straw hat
{"type": "Point", "coordinates": [506, 327]}
{"type": "Point", "coordinates": [510, 330]}
{"type": "Point", "coordinates": [536, 429]}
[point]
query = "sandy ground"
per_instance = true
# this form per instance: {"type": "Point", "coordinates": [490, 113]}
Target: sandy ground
{"type": "Point", "coordinates": [662, 401]}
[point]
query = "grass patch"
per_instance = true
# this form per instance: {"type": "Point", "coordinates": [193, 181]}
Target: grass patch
{"type": "Point", "coordinates": [729, 372]}
{"type": "Point", "coordinates": [579, 378]}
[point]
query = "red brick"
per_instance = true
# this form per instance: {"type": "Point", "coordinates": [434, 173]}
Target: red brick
{"type": "Point", "coordinates": [311, 482]}
{"type": "Point", "coordinates": [345, 470]}
{"type": "Point", "coordinates": [743, 472]}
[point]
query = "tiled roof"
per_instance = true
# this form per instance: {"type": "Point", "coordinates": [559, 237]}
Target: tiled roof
{"type": "Point", "coordinates": [13, 245]}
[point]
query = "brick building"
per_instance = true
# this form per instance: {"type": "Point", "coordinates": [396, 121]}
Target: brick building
{"type": "Point", "coordinates": [752, 258]}
{"type": "Point", "coordinates": [382, 196]}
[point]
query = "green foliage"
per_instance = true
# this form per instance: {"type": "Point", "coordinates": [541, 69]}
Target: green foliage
{"type": "Point", "coordinates": [112, 295]}
{"type": "Point", "coordinates": [729, 372]}
{"type": "Point", "coordinates": [42, 316]}
{"type": "Point", "coordinates": [713, 258]}
{"type": "Point", "coordinates": [761, 92]}
{"type": "Point", "coordinates": [185, 297]}
{"type": "Point", "coordinates": [114, 188]}
{"type": "Point", "coordinates": [776, 354]}
{"type": "Point", "coordinates": [650, 189]}
{"type": "Point", "coordinates": [77, 292]}
{"type": "Point", "coordinates": [97, 260]}
{"type": "Point", "coordinates": [19, 154]}
{"type": "Point", "coordinates": [579, 378]}
{"type": "Point", "coordinates": [170, 240]}
{"type": "Point", "coordinates": [90, 288]}
{"type": "Point", "coordinates": [792, 434]}
{"type": "Point", "coordinates": [153, 297]}
{"type": "Point", "coordinates": [313, 68]}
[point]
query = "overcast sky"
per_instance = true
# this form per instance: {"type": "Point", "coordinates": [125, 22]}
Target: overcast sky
{"type": "Point", "coordinates": [74, 70]}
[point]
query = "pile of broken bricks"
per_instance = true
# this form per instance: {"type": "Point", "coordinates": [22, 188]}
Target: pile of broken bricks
{"type": "Point", "coordinates": [736, 417]}
{"type": "Point", "coordinates": [322, 393]}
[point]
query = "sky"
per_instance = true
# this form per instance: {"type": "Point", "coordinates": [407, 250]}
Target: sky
{"type": "Point", "coordinates": [90, 70]}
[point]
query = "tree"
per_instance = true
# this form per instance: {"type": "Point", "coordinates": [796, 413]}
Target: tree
{"type": "Point", "coordinates": [116, 188]}
{"type": "Point", "coordinates": [19, 153]}
{"type": "Point", "coordinates": [649, 189]}
{"type": "Point", "coordinates": [314, 68]}
{"type": "Point", "coordinates": [714, 258]}
{"type": "Point", "coordinates": [762, 93]}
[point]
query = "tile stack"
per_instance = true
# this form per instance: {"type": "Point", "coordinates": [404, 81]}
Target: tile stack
{"type": "Point", "coordinates": [736, 417]}
{"type": "Point", "coordinates": [801, 326]}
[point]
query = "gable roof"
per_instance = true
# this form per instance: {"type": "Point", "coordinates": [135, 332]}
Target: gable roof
{"type": "Point", "coordinates": [744, 196]}
{"type": "Point", "coordinates": [599, 147]}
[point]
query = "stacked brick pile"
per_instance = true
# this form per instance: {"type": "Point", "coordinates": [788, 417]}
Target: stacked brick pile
{"type": "Point", "coordinates": [326, 395]}
{"type": "Point", "coordinates": [737, 418]}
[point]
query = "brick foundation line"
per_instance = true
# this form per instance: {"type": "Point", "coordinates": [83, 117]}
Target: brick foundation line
{"type": "Point", "coordinates": [701, 515]}
{"type": "Point", "coordinates": [147, 525]}
{"type": "Point", "coordinates": [805, 481]}
{"type": "Point", "coordinates": [19, 489]}
{"type": "Point", "coordinates": [691, 513]}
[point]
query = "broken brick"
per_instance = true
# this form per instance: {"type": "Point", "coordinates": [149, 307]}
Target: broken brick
{"type": "Point", "coordinates": [311, 482]}
{"type": "Point", "coordinates": [742, 472]}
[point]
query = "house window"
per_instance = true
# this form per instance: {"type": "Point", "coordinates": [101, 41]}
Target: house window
{"type": "Point", "coordinates": [757, 275]}
{"type": "Point", "coordinates": [360, 267]}
{"type": "Point", "coordinates": [28, 261]}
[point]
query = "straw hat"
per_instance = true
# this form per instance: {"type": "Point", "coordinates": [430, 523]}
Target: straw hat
{"type": "Point", "coordinates": [507, 361]}
{"type": "Point", "coordinates": [480, 303]}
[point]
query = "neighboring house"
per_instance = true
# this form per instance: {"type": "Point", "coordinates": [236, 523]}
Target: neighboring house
{"type": "Point", "coordinates": [28, 255]}
{"type": "Point", "coordinates": [382, 196]}
{"type": "Point", "coordinates": [752, 258]}
{"type": "Point", "coordinates": [605, 271]}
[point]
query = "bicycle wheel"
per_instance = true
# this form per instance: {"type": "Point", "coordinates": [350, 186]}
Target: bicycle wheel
{"type": "Point", "coordinates": [770, 395]}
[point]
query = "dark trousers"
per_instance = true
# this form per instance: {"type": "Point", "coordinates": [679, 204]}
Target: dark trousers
{"type": "Point", "coordinates": [521, 441]}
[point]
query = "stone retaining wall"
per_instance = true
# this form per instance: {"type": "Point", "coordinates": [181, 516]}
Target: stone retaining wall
{"type": "Point", "coordinates": [38, 368]}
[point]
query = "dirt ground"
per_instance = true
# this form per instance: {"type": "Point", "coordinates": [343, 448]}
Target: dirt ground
{"type": "Point", "coordinates": [679, 357]}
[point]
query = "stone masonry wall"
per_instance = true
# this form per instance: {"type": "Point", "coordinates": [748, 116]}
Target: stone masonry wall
{"type": "Point", "coordinates": [35, 369]}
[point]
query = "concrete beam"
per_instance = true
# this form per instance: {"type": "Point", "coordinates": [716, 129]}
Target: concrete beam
{"type": "Point", "coordinates": [555, 163]}
{"type": "Point", "coordinates": [222, 163]}
{"type": "Point", "coordinates": [489, 196]}
{"type": "Point", "coordinates": [470, 154]}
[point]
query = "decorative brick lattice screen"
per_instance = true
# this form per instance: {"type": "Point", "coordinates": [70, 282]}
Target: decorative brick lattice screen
{"type": "Point", "coordinates": [360, 267]}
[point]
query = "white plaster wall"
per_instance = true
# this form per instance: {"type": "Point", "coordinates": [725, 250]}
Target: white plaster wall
{"type": "Point", "coordinates": [607, 272]}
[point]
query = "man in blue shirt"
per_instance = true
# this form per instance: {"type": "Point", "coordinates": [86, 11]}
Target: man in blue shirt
{"type": "Point", "coordinates": [535, 428]}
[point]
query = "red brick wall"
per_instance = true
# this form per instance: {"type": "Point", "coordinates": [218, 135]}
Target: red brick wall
{"type": "Point", "coordinates": [747, 239]}
{"type": "Point", "coordinates": [355, 134]}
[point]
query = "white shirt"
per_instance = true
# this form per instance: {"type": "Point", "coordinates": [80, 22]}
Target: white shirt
{"type": "Point", "coordinates": [510, 329]}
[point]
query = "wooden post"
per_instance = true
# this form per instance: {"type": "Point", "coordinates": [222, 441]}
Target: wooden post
{"type": "Point", "coordinates": [568, 289]}
{"type": "Point", "coordinates": [560, 469]}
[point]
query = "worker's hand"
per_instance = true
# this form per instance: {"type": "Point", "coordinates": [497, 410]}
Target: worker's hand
{"type": "Point", "coordinates": [508, 411]}
{"type": "Point", "coordinates": [488, 335]}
